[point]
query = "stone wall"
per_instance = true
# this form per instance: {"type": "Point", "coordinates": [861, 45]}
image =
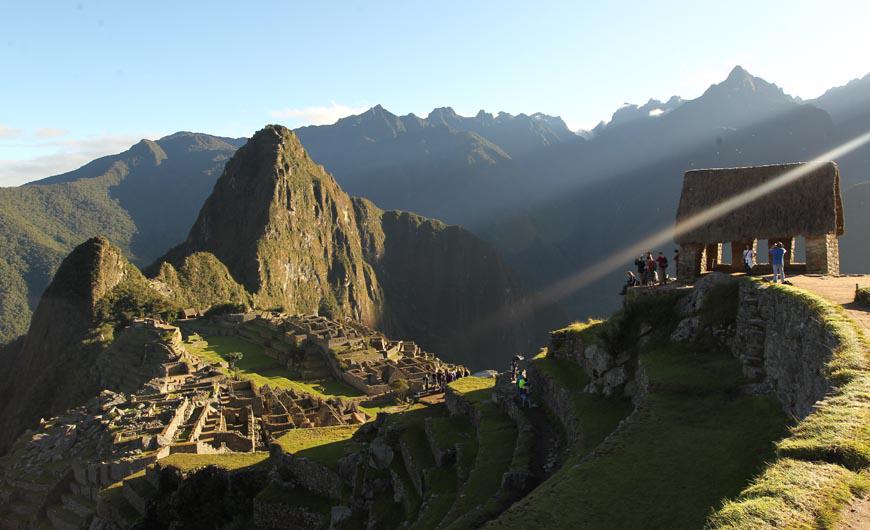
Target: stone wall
{"type": "Point", "coordinates": [780, 339]}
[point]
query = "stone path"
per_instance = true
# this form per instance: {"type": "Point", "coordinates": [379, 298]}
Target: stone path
{"type": "Point", "coordinates": [856, 516]}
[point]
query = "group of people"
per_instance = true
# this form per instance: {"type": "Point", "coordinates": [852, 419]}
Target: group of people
{"type": "Point", "coordinates": [777, 261]}
{"type": "Point", "coordinates": [651, 270]}
{"type": "Point", "coordinates": [442, 377]}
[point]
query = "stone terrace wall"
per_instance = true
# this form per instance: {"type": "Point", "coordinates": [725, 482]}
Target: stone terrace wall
{"type": "Point", "coordinates": [780, 338]}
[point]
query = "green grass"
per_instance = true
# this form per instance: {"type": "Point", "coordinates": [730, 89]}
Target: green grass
{"type": "Point", "coordinates": [447, 432]}
{"type": "Point", "coordinates": [325, 445]}
{"type": "Point", "coordinates": [188, 461]}
{"type": "Point", "coordinates": [473, 389]}
{"type": "Point", "coordinates": [497, 437]}
{"type": "Point", "coordinates": [862, 297]}
{"type": "Point", "coordinates": [589, 331]}
{"type": "Point", "coordinates": [721, 304]}
{"type": "Point", "coordinates": [598, 415]}
{"type": "Point", "coordinates": [687, 448]}
{"type": "Point", "coordinates": [792, 494]}
{"type": "Point", "coordinates": [276, 493]}
{"type": "Point", "coordinates": [838, 431]}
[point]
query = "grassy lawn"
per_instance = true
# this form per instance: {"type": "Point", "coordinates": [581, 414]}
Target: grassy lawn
{"type": "Point", "coordinates": [695, 442]}
{"type": "Point", "coordinates": [189, 461]}
{"type": "Point", "coordinates": [325, 445]}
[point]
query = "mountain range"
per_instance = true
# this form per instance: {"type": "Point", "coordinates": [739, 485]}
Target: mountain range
{"type": "Point", "coordinates": [551, 202]}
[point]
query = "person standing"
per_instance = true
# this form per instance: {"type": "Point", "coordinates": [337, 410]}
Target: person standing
{"type": "Point", "coordinates": [777, 262]}
{"type": "Point", "coordinates": [676, 262]}
{"type": "Point", "coordinates": [650, 269]}
{"type": "Point", "coordinates": [662, 262]}
{"type": "Point", "coordinates": [640, 263]}
{"type": "Point", "coordinates": [748, 260]}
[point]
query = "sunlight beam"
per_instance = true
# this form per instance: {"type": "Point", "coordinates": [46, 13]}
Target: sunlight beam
{"type": "Point", "coordinates": [564, 287]}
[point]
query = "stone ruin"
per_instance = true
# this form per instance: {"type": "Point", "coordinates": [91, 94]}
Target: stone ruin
{"type": "Point", "coordinates": [189, 407]}
{"type": "Point", "coordinates": [315, 347]}
{"type": "Point", "coordinates": [810, 207]}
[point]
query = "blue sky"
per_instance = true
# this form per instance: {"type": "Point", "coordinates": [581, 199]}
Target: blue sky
{"type": "Point", "coordinates": [85, 78]}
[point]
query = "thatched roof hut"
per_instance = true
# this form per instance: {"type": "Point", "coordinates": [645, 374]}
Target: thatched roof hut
{"type": "Point", "coordinates": [809, 206]}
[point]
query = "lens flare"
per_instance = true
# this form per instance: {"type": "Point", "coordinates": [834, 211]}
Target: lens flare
{"type": "Point", "coordinates": [568, 285]}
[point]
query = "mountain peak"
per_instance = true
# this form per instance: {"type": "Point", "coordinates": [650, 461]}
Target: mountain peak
{"type": "Point", "coordinates": [738, 73]}
{"type": "Point", "coordinates": [149, 150]}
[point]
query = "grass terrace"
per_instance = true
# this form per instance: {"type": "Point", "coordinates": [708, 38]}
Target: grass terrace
{"type": "Point", "coordinates": [696, 441]}
{"type": "Point", "coordinates": [825, 459]}
{"type": "Point", "coordinates": [496, 441]}
{"type": "Point", "coordinates": [186, 462]}
{"type": "Point", "coordinates": [325, 445]}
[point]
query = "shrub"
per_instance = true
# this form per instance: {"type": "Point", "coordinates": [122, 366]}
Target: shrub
{"type": "Point", "coordinates": [233, 358]}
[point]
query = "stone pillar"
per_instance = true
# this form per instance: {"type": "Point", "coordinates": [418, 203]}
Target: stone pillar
{"type": "Point", "coordinates": [689, 267]}
{"type": "Point", "coordinates": [823, 254]}
{"type": "Point", "coordinates": [737, 248]}
{"type": "Point", "coordinates": [788, 245]}
{"type": "Point", "coordinates": [712, 257]}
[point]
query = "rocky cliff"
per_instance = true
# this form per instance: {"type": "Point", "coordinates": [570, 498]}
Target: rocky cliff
{"type": "Point", "coordinates": [293, 239]}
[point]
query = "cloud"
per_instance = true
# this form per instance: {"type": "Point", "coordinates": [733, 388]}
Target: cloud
{"type": "Point", "coordinates": [7, 132]}
{"type": "Point", "coordinates": [50, 132]}
{"type": "Point", "coordinates": [316, 115]}
{"type": "Point", "coordinates": [52, 156]}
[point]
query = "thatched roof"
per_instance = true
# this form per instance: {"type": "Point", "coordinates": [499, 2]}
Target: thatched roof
{"type": "Point", "coordinates": [809, 206]}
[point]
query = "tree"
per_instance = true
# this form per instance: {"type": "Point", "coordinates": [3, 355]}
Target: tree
{"type": "Point", "coordinates": [233, 358]}
{"type": "Point", "coordinates": [401, 388]}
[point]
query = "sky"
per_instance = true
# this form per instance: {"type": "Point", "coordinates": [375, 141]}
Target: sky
{"type": "Point", "coordinates": [84, 79]}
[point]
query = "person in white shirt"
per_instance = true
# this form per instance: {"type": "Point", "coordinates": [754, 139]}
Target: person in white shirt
{"type": "Point", "coordinates": [748, 260]}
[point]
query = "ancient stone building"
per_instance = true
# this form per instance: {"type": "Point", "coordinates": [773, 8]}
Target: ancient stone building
{"type": "Point", "coordinates": [810, 207]}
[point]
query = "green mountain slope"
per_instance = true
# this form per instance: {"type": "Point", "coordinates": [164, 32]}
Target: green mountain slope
{"type": "Point", "coordinates": [143, 200]}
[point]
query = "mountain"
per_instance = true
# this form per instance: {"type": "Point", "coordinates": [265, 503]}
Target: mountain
{"type": "Point", "coordinates": [143, 199]}
{"type": "Point", "coordinates": [52, 368]}
{"type": "Point", "coordinates": [562, 207]}
{"type": "Point", "coordinates": [854, 251]}
{"type": "Point", "coordinates": [843, 102]}
{"type": "Point", "coordinates": [288, 234]}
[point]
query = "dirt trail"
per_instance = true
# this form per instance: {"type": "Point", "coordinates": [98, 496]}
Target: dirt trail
{"type": "Point", "coordinates": [856, 516]}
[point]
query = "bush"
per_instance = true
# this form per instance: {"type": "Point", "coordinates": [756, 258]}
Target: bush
{"type": "Point", "coordinates": [862, 296]}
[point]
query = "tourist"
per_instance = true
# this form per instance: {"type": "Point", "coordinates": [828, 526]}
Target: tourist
{"type": "Point", "coordinates": [777, 262]}
{"type": "Point", "coordinates": [676, 262]}
{"type": "Point", "coordinates": [663, 267]}
{"type": "Point", "coordinates": [426, 381]}
{"type": "Point", "coordinates": [630, 281]}
{"type": "Point", "coordinates": [650, 269]}
{"type": "Point", "coordinates": [640, 263]}
{"type": "Point", "coordinates": [748, 260]}
{"type": "Point", "coordinates": [523, 386]}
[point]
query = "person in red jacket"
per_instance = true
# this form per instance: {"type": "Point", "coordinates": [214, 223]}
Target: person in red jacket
{"type": "Point", "coordinates": [662, 262]}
